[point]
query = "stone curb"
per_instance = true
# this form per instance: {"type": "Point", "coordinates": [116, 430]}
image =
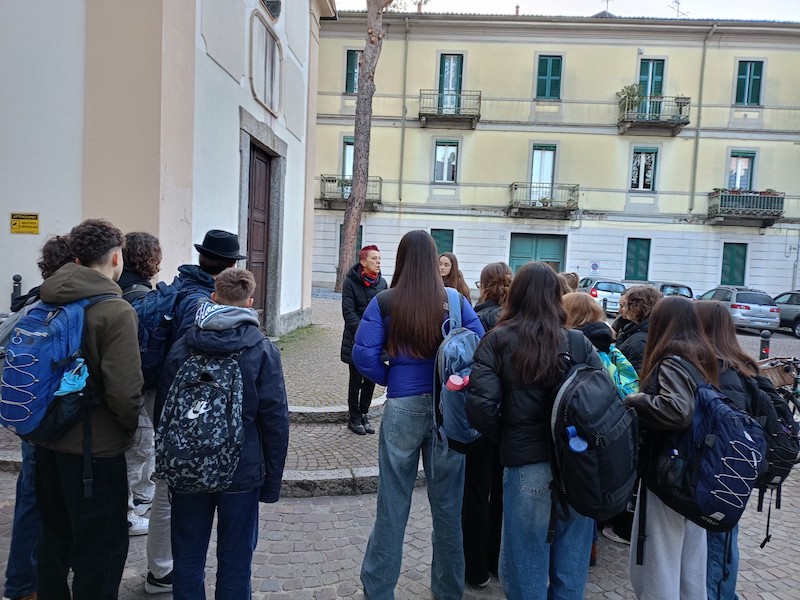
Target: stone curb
{"type": "Point", "coordinates": [335, 482]}
{"type": "Point", "coordinates": [328, 414]}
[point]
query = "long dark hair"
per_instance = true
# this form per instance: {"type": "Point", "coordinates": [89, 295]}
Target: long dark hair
{"type": "Point", "coordinates": [675, 330]}
{"type": "Point", "coordinates": [417, 303]}
{"type": "Point", "coordinates": [718, 326]}
{"type": "Point", "coordinates": [455, 279]}
{"type": "Point", "coordinates": [535, 314]}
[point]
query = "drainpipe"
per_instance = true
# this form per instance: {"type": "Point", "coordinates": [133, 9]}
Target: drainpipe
{"type": "Point", "coordinates": [796, 261]}
{"type": "Point", "coordinates": [696, 151]}
{"type": "Point", "coordinates": [405, 110]}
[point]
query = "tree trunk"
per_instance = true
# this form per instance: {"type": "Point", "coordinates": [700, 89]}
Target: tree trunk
{"type": "Point", "coordinates": [367, 63]}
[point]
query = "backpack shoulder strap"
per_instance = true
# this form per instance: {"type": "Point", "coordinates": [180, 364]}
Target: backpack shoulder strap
{"type": "Point", "coordinates": [576, 346]}
{"type": "Point", "coordinates": [689, 368]}
{"type": "Point", "coordinates": [134, 292]}
{"type": "Point", "coordinates": [384, 299]}
{"type": "Point", "coordinates": [453, 308]}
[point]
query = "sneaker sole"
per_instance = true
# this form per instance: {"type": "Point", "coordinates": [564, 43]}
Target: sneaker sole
{"type": "Point", "coordinates": [135, 532]}
{"type": "Point", "coordinates": [141, 509]}
{"type": "Point", "coordinates": [157, 589]}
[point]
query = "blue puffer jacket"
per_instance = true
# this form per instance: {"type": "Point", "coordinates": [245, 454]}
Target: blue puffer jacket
{"type": "Point", "coordinates": [196, 287]}
{"type": "Point", "coordinates": [403, 376]}
{"type": "Point", "coordinates": [264, 407]}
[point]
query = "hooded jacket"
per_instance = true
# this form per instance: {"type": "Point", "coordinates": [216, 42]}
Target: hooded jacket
{"type": "Point", "coordinates": [489, 313]}
{"type": "Point", "coordinates": [220, 330]}
{"type": "Point", "coordinates": [631, 341]}
{"type": "Point", "coordinates": [599, 334]}
{"type": "Point", "coordinates": [196, 288]}
{"type": "Point", "coordinates": [111, 349]}
{"type": "Point", "coordinates": [355, 298]}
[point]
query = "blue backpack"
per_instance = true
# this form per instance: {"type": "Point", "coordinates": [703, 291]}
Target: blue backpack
{"type": "Point", "coordinates": [621, 371]}
{"type": "Point", "coordinates": [44, 376]}
{"type": "Point", "coordinates": [156, 310]}
{"type": "Point", "coordinates": [454, 357]}
{"type": "Point", "coordinates": [707, 472]}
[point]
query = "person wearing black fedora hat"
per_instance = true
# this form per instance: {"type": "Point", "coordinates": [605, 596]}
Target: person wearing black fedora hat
{"type": "Point", "coordinates": [219, 250]}
{"type": "Point", "coordinates": [220, 244]}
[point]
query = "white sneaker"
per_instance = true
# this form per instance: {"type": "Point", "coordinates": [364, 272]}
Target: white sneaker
{"type": "Point", "coordinates": [137, 525]}
{"type": "Point", "coordinates": [140, 507]}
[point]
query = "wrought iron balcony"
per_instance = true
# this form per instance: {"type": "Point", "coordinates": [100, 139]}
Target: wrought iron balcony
{"type": "Point", "coordinates": [746, 207]}
{"type": "Point", "coordinates": [654, 112]}
{"type": "Point", "coordinates": [543, 200]}
{"type": "Point", "coordinates": [450, 107]}
{"type": "Point", "coordinates": [334, 190]}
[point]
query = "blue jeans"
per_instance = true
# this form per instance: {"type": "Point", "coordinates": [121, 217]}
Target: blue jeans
{"type": "Point", "coordinates": [237, 533]}
{"type": "Point", "coordinates": [407, 430]}
{"type": "Point", "coordinates": [718, 588]}
{"type": "Point", "coordinates": [527, 561]}
{"type": "Point", "coordinates": [21, 568]}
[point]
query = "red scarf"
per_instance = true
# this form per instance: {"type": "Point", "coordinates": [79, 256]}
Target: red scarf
{"type": "Point", "coordinates": [368, 277]}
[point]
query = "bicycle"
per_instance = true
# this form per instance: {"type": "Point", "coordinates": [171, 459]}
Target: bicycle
{"type": "Point", "coordinates": [784, 373]}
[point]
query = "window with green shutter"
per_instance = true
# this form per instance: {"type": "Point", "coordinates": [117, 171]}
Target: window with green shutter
{"type": "Point", "coordinates": [548, 78]}
{"type": "Point", "coordinates": [748, 82]}
{"type": "Point", "coordinates": [734, 257]}
{"type": "Point", "coordinates": [443, 239]}
{"type": "Point", "coordinates": [637, 259]}
{"type": "Point", "coordinates": [359, 240]}
{"type": "Point", "coordinates": [351, 78]}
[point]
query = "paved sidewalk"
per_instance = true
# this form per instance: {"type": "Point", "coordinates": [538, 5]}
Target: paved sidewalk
{"type": "Point", "coordinates": [312, 548]}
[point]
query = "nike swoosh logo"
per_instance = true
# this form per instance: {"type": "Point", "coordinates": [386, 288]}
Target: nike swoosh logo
{"type": "Point", "coordinates": [196, 411]}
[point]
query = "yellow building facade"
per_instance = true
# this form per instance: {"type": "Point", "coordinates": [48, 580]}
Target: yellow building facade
{"type": "Point", "coordinates": [660, 149]}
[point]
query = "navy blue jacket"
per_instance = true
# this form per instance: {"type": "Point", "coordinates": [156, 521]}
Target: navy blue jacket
{"type": "Point", "coordinates": [196, 287]}
{"type": "Point", "coordinates": [265, 411]}
{"type": "Point", "coordinates": [404, 375]}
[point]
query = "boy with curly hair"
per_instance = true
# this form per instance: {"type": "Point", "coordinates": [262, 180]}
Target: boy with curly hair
{"type": "Point", "coordinates": [89, 535]}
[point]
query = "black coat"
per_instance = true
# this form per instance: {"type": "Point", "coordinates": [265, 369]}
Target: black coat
{"type": "Point", "coordinates": [497, 406]}
{"type": "Point", "coordinates": [489, 313]}
{"type": "Point", "coordinates": [355, 298]}
{"type": "Point", "coordinates": [631, 341]}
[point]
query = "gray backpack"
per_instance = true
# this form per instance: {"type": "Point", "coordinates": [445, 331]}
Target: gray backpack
{"type": "Point", "coordinates": [200, 433]}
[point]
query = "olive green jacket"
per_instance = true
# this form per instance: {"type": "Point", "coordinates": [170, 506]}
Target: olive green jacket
{"type": "Point", "coordinates": [111, 349]}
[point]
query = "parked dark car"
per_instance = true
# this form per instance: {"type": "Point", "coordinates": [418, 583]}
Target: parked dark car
{"type": "Point", "coordinates": [789, 304]}
{"type": "Point", "coordinates": [670, 288]}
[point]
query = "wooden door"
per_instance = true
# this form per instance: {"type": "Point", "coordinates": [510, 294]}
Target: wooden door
{"type": "Point", "coordinates": [258, 225]}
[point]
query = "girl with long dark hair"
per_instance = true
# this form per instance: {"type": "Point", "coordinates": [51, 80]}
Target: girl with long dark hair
{"type": "Point", "coordinates": [675, 552]}
{"type": "Point", "coordinates": [406, 322]}
{"type": "Point", "coordinates": [451, 275]}
{"type": "Point", "coordinates": [515, 374]}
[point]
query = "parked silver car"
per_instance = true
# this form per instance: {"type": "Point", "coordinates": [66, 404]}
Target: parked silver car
{"type": "Point", "coordinates": [748, 307]}
{"type": "Point", "coordinates": [670, 288]}
{"type": "Point", "coordinates": [789, 304]}
{"type": "Point", "coordinates": [603, 288]}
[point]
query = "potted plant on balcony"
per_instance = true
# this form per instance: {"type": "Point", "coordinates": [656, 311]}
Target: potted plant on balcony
{"type": "Point", "coordinates": [769, 192]}
{"type": "Point", "coordinates": [629, 98]}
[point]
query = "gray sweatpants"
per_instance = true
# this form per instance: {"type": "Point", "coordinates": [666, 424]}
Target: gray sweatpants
{"type": "Point", "coordinates": [675, 555]}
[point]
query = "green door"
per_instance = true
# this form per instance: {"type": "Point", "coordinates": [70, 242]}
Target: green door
{"type": "Point", "coordinates": [651, 85]}
{"type": "Point", "coordinates": [734, 259]}
{"type": "Point", "coordinates": [527, 247]}
{"type": "Point", "coordinates": [450, 67]}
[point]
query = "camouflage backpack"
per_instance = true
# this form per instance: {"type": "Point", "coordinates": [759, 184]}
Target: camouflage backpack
{"type": "Point", "coordinates": [200, 434]}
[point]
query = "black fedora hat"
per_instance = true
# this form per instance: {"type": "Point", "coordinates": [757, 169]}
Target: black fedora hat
{"type": "Point", "coordinates": [222, 244]}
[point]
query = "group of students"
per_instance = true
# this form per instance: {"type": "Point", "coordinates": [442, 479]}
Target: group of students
{"type": "Point", "coordinates": [59, 527]}
{"type": "Point", "coordinates": [491, 508]}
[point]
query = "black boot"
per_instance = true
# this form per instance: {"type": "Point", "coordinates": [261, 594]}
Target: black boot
{"type": "Point", "coordinates": [355, 426]}
{"type": "Point", "coordinates": [365, 423]}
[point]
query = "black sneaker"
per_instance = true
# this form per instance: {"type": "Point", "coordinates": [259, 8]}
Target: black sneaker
{"type": "Point", "coordinates": [356, 427]}
{"type": "Point", "coordinates": [365, 423]}
{"type": "Point", "coordinates": [158, 586]}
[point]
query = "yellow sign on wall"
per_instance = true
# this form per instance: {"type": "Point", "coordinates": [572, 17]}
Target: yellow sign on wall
{"type": "Point", "coordinates": [25, 223]}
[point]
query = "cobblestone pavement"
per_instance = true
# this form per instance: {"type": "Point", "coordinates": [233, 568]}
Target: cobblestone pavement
{"type": "Point", "coordinates": [311, 549]}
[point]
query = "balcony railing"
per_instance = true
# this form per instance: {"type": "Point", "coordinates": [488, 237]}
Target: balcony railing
{"type": "Point", "coordinates": [544, 197]}
{"type": "Point", "coordinates": [654, 112]}
{"type": "Point", "coordinates": [464, 105]}
{"type": "Point", "coordinates": [746, 204]}
{"type": "Point", "coordinates": [336, 187]}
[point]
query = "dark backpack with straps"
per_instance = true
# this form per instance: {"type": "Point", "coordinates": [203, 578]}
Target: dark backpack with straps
{"type": "Point", "coordinates": [595, 440]}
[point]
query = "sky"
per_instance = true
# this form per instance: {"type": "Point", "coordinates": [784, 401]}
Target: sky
{"type": "Point", "coordinates": [766, 10]}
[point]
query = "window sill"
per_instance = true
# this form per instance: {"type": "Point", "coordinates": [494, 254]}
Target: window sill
{"type": "Point", "coordinates": [548, 100]}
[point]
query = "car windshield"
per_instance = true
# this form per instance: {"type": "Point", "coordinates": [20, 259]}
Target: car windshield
{"type": "Point", "coordinates": [676, 290]}
{"type": "Point", "coordinates": [607, 286]}
{"type": "Point", "coordinates": [753, 298]}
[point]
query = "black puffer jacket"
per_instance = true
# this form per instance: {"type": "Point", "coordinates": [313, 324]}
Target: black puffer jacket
{"type": "Point", "coordinates": [355, 298]}
{"type": "Point", "coordinates": [599, 334]}
{"type": "Point", "coordinates": [489, 313]}
{"type": "Point", "coordinates": [515, 417]}
{"type": "Point", "coordinates": [631, 341]}
{"type": "Point", "coordinates": [732, 385]}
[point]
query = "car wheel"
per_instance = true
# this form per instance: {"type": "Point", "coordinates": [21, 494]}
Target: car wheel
{"type": "Point", "coordinates": [796, 328]}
